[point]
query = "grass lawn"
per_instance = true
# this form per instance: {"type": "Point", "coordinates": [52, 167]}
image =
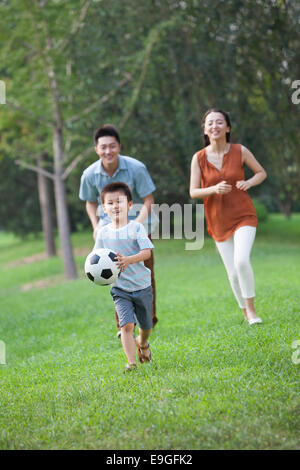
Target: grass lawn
{"type": "Point", "coordinates": [214, 383]}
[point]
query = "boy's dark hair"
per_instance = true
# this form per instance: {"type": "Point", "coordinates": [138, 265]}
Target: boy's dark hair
{"type": "Point", "coordinates": [113, 187]}
{"type": "Point", "coordinates": [107, 129]}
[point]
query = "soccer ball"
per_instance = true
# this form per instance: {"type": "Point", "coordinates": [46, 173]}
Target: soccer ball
{"type": "Point", "coordinates": [100, 267]}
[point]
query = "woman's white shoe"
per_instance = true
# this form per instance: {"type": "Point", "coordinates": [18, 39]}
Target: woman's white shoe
{"type": "Point", "coordinates": [252, 321]}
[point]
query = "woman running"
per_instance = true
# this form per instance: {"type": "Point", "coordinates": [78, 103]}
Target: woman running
{"type": "Point", "coordinates": [217, 177]}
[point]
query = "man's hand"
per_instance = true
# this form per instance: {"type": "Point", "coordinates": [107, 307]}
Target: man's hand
{"type": "Point", "coordinates": [146, 208]}
{"type": "Point", "coordinates": [95, 232]}
{"type": "Point", "coordinates": [91, 209]}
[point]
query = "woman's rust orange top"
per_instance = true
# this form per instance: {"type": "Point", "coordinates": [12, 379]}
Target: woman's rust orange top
{"type": "Point", "coordinates": [225, 213]}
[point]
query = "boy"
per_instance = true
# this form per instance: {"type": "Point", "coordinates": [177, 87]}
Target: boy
{"type": "Point", "coordinates": [111, 167]}
{"type": "Point", "coordinates": [132, 292]}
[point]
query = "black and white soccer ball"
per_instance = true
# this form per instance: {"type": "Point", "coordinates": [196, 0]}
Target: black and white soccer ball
{"type": "Point", "coordinates": [101, 268]}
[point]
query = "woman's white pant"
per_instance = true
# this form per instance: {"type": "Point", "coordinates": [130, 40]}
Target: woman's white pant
{"type": "Point", "coordinates": [235, 253]}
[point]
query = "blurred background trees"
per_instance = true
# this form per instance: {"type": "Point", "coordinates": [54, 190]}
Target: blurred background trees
{"type": "Point", "coordinates": [152, 68]}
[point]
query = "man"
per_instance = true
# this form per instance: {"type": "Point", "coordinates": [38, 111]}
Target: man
{"type": "Point", "coordinates": [113, 167]}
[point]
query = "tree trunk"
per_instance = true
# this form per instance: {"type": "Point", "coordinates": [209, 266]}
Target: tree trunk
{"type": "Point", "coordinates": [285, 206]}
{"type": "Point", "coordinates": [61, 207]}
{"type": "Point", "coordinates": [59, 184]}
{"type": "Point", "coordinates": [46, 210]}
{"type": "Point", "coordinates": [287, 209]}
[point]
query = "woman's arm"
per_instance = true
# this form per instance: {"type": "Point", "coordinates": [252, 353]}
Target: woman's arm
{"type": "Point", "coordinates": [260, 174]}
{"type": "Point", "coordinates": [196, 192]}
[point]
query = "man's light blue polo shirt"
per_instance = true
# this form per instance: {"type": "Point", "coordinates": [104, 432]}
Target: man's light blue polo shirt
{"type": "Point", "coordinates": [130, 171]}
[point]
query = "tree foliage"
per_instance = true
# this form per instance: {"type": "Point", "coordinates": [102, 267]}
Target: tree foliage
{"type": "Point", "coordinates": [152, 68]}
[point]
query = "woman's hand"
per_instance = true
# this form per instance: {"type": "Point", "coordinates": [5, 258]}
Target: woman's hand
{"type": "Point", "coordinates": [243, 185]}
{"type": "Point", "coordinates": [223, 188]}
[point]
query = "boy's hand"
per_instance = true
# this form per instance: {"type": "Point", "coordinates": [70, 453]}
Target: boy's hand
{"type": "Point", "coordinates": [123, 261]}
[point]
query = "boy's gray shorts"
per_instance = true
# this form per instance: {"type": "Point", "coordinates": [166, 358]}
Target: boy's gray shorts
{"type": "Point", "coordinates": [134, 307]}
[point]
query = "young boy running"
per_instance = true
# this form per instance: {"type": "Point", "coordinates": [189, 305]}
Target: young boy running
{"type": "Point", "coordinates": [132, 292]}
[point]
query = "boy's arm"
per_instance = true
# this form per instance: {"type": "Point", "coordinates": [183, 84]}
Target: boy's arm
{"type": "Point", "coordinates": [124, 261]}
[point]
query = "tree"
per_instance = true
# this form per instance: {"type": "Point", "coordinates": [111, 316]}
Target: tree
{"type": "Point", "coordinates": [240, 56]}
{"type": "Point", "coordinates": [41, 69]}
{"type": "Point", "coordinates": [46, 207]}
{"type": "Point", "coordinates": [154, 74]}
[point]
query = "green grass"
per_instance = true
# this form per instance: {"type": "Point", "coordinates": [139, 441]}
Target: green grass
{"type": "Point", "coordinates": [214, 383]}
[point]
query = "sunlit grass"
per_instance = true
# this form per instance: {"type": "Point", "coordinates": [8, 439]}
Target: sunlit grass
{"type": "Point", "coordinates": [214, 381]}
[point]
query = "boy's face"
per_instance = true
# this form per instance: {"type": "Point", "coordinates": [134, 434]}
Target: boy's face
{"type": "Point", "coordinates": [116, 205]}
{"type": "Point", "coordinates": [108, 149]}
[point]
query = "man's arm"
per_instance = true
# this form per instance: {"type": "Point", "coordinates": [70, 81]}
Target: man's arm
{"type": "Point", "coordinates": [91, 209]}
{"type": "Point", "coordinates": [146, 208]}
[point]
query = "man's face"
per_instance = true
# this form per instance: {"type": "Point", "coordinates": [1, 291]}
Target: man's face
{"type": "Point", "coordinates": [108, 149]}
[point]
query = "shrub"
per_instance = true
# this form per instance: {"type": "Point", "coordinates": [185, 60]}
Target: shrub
{"type": "Point", "coordinates": [261, 210]}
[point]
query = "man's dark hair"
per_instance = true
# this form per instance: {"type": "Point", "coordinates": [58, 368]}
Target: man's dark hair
{"type": "Point", "coordinates": [113, 187]}
{"type": "Point", "coordinates": [107, 130]}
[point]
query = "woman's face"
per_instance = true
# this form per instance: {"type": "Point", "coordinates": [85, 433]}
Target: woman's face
{"type": "Point", "coordinates": [215, 126]}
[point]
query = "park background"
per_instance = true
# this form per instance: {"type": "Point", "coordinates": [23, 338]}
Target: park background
{"type": "Point", "coordinates": [152, 68]}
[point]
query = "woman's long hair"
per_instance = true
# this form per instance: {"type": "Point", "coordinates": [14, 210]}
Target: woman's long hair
{"type": "Point", "coordinates": [227, 119]}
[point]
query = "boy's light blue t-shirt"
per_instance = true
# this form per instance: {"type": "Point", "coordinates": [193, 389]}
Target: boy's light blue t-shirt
{"type": "Point", "coordinates": [130, 171]}
{"type": "Point", "coordinates": [128, 240]}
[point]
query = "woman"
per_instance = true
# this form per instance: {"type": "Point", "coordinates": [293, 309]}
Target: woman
{"type": "Point", "coordinates": [217, 177]}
